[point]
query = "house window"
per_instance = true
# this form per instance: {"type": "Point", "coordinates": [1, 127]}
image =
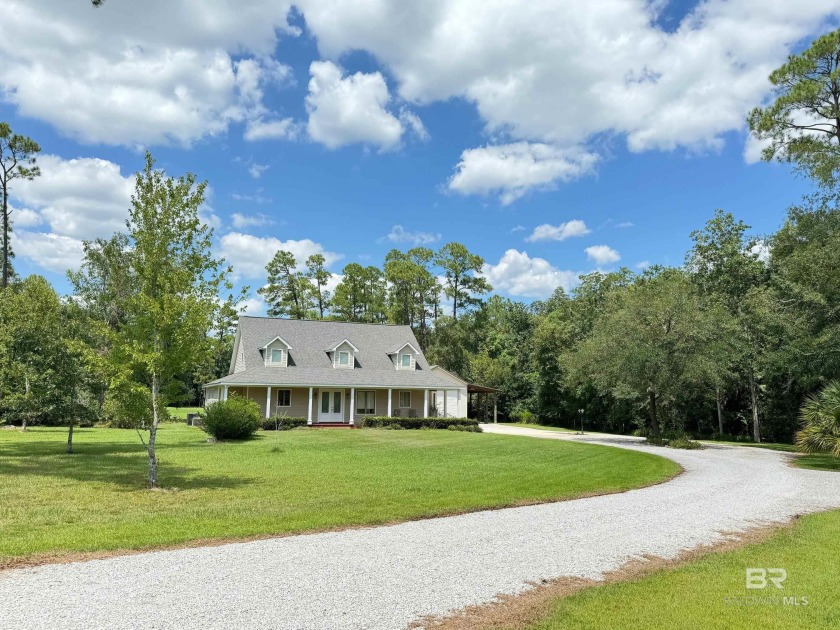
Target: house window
{"type": "Point", "coordinates": [365, 402]}
{"type": "Point", "coordinates": [344, 358]}
{"type": "Point", "coordinates": [284, 397]}
{"type": "Point", "coordinates": [405, 360]}
{"type": "Point", "coordinates": [277, 356]}
{"type": "Point", "coordinates": [405, 399]}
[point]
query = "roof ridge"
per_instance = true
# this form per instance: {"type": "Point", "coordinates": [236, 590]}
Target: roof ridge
{"type": "Point", "coordinates": [324, 321]}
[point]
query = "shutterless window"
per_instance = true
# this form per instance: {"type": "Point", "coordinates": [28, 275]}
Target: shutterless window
{"type": "Point", "coordinates": [284, 397]}
{"type": "Point", "coordinates": [405, 399]}
{"type": "Point", "coordinates": [277, 356]}
{"type": "Point", "coordinates": [344, 358]}
{"type": "Point", "coordinates": [365, 402]}
{"type": "Point", "coordinates": [405, 360]}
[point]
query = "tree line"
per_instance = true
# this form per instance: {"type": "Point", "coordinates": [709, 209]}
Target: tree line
{"type": "Point", "coordinates": [730, 343]}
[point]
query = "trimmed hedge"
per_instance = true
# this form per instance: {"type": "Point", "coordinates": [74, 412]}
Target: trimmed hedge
{"type": "Point", "coordinates": [385, 422]}
{"type": "Point", "coordinates": [282, 423]}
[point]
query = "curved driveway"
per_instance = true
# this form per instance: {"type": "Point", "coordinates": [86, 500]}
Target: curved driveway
{"type": "Point", "coordinates": [385, 577]}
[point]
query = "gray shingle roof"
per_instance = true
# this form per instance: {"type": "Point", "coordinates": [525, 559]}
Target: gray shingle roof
{"type": "Point", "coordinates": [309, 363]}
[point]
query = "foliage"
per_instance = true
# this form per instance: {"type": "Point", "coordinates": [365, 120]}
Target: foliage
{"type": "Point", "coordinates": [319, 276]}
{"type": "Point", "coordinates": [461, 284]}
{"type": "Point", "coordinates": [17, 161]}
{"type": "Point", "coordinates": [287, 292]}
{"type": "Point", "coordinates": [173, 301]}
{"type": "Point", "coordinates": [236, 418]}
{"type": "Point", "coordinates": [654, 339]}
{"type": "Point", "coordinates": [388, 422]}
{"type": "Point", "coordinates": [802, 125]}
{"type": "Point", "coordinates": [820, 432]}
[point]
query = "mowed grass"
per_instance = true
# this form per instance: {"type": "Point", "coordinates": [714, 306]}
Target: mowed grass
{"type": "Point", "coordinates": [527, 425]}
{"type": "Point", "coordinates": [279, 482]}
{"type": "Point", "coordinates": [180, 413]}
{"type": "Point", "coordinates": [695, 596]}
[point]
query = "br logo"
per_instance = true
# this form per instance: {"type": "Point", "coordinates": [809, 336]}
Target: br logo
{"type": "Point", "coordinates": [758, 578]}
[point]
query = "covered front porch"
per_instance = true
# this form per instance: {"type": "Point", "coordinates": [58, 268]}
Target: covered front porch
{"type": "Point", "coordinates": [327, 405]}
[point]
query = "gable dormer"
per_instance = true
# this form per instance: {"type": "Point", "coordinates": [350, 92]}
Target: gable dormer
{"type": "Point", "coordinates": [276, 353]}
{"type": "Point", "coordinates": [343, 355]}
{"type": "Point", "coordinates": [405, 358]}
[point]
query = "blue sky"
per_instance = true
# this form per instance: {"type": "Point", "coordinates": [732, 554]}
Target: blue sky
{"type": "Point", "coordinates": [352, 128]}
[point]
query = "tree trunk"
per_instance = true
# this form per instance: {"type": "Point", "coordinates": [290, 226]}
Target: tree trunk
{"type": "Point", "coordinates": [754, 405]}
{"type": "Point", "coordinates": [5, 278]}
{"type": "Point", "coordinates": [153, 432]}
{"type": "Point", "coordinates": [719, 411]}
{"type": "Point", "coordinates": [70, 437]}
{"type": "Point", "coordinates": [26, 410]}
{"type": "Point", "coordinates": [654, 416]}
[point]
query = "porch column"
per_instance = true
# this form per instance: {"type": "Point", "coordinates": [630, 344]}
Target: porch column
{"type": "Point", "coordinates": [352, 404]}
{"type": "Point", "coordinates": [268, 402]}
{"type": "Point", "coordinates": [495, 410]}
{"type": "Point", "coordinates": [309, 414]}
{"type": "Point", "coordinates": [390, 391]}
{"type": "Point", "coordinates": [225, 392]}
{"type": "Point", "coordinates": [425, 403]}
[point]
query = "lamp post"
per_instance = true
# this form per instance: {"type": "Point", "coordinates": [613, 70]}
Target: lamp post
{"type": "Point", "coordinates": [580, 411]}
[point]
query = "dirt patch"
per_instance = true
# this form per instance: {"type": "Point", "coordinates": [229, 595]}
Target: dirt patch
{"type": "Point", "coordinates": [507, 612]}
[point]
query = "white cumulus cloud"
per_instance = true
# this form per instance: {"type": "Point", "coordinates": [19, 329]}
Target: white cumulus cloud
{"type": "Point", "coordinates": [250, 254]}
{"type": "Point", "coordinates": [399, 234]}
{"type": "Point", "coordinates": [512, 170]}
{"type": "Point", "coordinates": [561, 232]}
{"type": "Point", "coordinates": [519, 275]}
{"type": "Point", "coordinates": [602, 254]}
{"type": "Point", "coordinates": [354, 109]}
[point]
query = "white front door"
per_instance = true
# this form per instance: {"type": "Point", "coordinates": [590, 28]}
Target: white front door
{"type": "Point", "coordinates": [331, 405]}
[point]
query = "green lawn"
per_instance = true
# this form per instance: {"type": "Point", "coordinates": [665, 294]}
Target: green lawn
{"type": "Point", "coordinates": [526, 425]}
{"type": "Point", "coordinates": [180, 413]}
{"type": "Point", "coordinates": [279, 482]}
{"type": "Point", "coordinates": [695, 596]}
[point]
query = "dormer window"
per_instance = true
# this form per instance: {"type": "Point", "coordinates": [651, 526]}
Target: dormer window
{"type": "Point", "coordinates": [343, 355]}
{"type": "Point", "coordinates": [405, 358]}
{"type": "Point", "coordinates": [276, 353]}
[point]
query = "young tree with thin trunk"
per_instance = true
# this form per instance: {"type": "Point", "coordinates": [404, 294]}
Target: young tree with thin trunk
{"type": "Point", "coordinates": [173, 308]}
{"type": "Point", "coordinates": [17, 161]}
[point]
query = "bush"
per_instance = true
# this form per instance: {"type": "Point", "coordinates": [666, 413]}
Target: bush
{"type": "Point", "coordinates": [820, 415]}
{"type": "Point", "coordinates": [236, 418]}
{"type": "Point", "coordinates": [385, 422]}
{"type": "Point", "coordinates": [282, 423]}
{"type": "Point", "coordinates": [524, 416]}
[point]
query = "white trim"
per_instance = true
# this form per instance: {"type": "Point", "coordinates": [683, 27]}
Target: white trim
{"type": "Point", "coordinates": [347, 341]}
{"type": "Point", "coordinates": [340, 354]}
{"type": "Point", "coordinates": [398, 350]}
{"type": "Point", "coordinates": [278, 337]}
{"type": "Point", "coordinates": [335, 385]}
{"type": "Point", "coordinates": [330, 391]}
{"type": "Point", "coordinates": [403, 366]}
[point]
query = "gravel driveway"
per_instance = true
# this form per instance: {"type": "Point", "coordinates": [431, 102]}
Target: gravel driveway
{"type": "Point", "coordinates": [385, 577]}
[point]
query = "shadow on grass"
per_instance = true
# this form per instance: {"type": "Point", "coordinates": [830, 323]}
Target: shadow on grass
{"type": "Point", "coordinates": [121, 463]}
{"type": "Point", "coordinates": [819, 461]}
